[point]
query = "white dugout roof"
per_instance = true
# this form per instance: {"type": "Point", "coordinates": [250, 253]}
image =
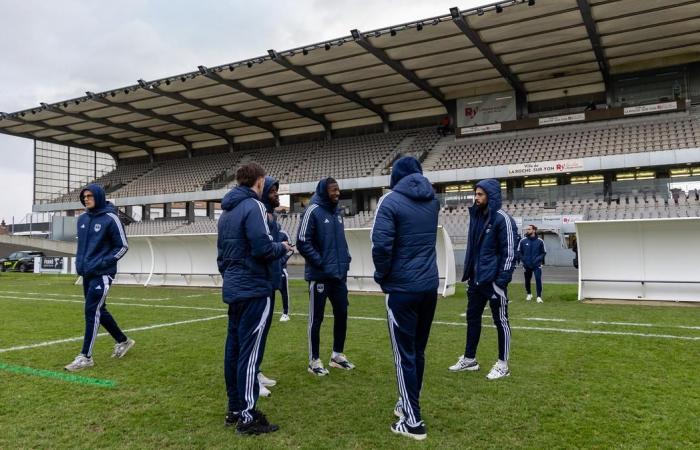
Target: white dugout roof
{"type": "Point", "coordinates": [538, 49]}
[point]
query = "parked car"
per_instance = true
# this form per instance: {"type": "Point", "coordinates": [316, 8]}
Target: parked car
{"type": "Point", "coordinates": [22, 261]}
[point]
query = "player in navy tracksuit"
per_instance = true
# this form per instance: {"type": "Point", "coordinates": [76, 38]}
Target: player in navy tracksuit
{"type": "Point", "coordinates": [284, 285]}
{"type": "Point", "coordinates": [246, 251]}
{"type": "Point", "coordinates": [271, 200]}
{"type": "Point", "coordinates": [531, 251]}
{"type": "Point", "coordinates": [101, 243]}
{"type": "Point", "coordinates": [403, 250]}
{"type": "Point", "coordinates": [321, 241]}
{"type": "Point", "coordinates": [488, 269]}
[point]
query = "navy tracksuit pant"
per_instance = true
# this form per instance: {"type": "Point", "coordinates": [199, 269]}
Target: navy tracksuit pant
{"type": "Point", "coordinates": [337, 292]}
{"type": "Point", "coordinates": [409, 316]}
{"type": "Point", "coordinates": [247, 320]}
{"type": "Point", "coordinates": [538, 280]}
{"type": "Point", "coordinates": [477, 298]}
{"type": "Point", "coordinates": [284, 290]}
{"type": "Point", "coordinates": [95, 290]}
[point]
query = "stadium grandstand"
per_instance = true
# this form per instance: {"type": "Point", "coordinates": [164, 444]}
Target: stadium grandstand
{"type": "Point", "coordinates": [584, 109]}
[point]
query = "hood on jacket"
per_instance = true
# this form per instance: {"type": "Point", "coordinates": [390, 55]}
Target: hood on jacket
{"type": "Point", "coordinates": [236, 196]}
{"type": "Point", "coordinates": [269, 182]}
{"type": "Point", "coordinates": [101, 203]}
{"type": "Point", "coordinates": [407, 179]}
{"type": "Point", "coordinates": [321, 196]}
{"type": "Point", "coordinates": [492, 187]}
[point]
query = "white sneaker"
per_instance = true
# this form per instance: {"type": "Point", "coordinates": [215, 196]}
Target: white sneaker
{"type": "Point", "coordinates": [264, 381]}
{"type": "Point", "coordinates": [498, 371]}
{"type": "Point", "coordinates": [341, 362]}
{"type": "Point", "coordinates": [79, 363]}
{"type": "Point", "coordinates": [120, 349]}
{"type": "Point", "coordinates": [528, 298]}
{"type": "Point", "coordinates": [464, 314]}
{"type": "Point", "coordinates": [464, 363]}
{"type": "Point", "coordinates": [284, 318]}
{"type": "Point", "coordinates": [264, 392]}
{"type": "Point", "coordinates": [316, 368]}
{"type": "Point", "coordinates": [539, 300]}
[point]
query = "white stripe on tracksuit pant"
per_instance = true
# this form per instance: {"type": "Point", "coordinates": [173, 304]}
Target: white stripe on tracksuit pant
{"type": "Point", "coordinates": [409, 318]}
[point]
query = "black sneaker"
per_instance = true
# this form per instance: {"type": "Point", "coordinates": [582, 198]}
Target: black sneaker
{"type": "Point", "coordinates": [232, 418]}
{"type": "Point", "coordinates": [259, 425]}
{"type": "Point", "coordinates": [401, 427]}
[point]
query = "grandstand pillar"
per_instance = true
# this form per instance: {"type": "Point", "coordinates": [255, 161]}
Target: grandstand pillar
{"type": "Point", "coordinates": [129, 210]}
{"type": "Point", "coordinates": [521, 109]}
{"type": "Point", "coordinates": [211, 210]}
{"type": "Point", "coordinates": [167, 210]}
{"type": "Point", "coordinates": [146, 212]}
{"type": "Point", "coordinates": [607, 184]}
{"type": "Point", "coordinates": [189, 211]}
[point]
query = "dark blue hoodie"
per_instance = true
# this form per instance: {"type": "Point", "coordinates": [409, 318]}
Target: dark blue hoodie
{"type": "Point", "coordinates": [405, 231]}
{"type": "Point", "coordinates": [101, 237]}
{"type": "Point", "coordinates": [276, 231]}
{"type": "Point", "coordinates": [491, 242]}
{"type": "Point", "coordinates": [531, 251]}
{"type": "Point", "coordinates": [321, 239]}
{"type": "Point", "coordinates": [246, 249]}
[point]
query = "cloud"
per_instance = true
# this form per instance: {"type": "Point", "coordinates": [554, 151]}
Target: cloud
{"type": "Point", "coordinates": [54, 51]}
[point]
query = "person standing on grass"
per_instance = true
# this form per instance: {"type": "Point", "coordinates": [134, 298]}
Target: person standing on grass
{"type": "Point", "coordinates": [321, 241]}
{"type": "Point", "coordinates": [271, 200]}
{"type": "Point", "coordinates": [531, 251]}
{"type": "Point", "coordinates": [403, 250]}
{"type": "Point", "coordinates": [101, 243]}
{"type": "Point", "coordinates": [246, 253]}
{"type": "Point", "coordinates": [488, 269]}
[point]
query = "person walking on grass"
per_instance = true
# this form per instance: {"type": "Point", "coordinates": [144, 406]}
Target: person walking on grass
{"type": "Point", "coordinates": [531, 251]}
{"type": "Point", "coordinates": [101, 244]}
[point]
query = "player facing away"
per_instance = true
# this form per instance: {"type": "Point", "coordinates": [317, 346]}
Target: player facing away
{"type": "Point", "coordinates": [488, 269]}
{"type": "Point", "coordinates": [403, 250]}
{"type": "Point", "coordinates": [531, 251]}
{"type": "Point", "coordinates": [101, 243]}
{"type": "Point", "coordinates": [246, 252]}
{"type": "Point", "coordinates": [321, 241]}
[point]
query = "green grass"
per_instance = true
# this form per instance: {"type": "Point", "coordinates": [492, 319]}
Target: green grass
{"type": "Point", "coordinates": [567, 390]}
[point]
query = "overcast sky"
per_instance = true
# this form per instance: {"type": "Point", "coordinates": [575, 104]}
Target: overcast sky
{"type": "Point", "coordinates": [55, 50]}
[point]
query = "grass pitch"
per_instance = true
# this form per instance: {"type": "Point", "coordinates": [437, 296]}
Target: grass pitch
{"type": "Point", "coordinates": [583, 375]}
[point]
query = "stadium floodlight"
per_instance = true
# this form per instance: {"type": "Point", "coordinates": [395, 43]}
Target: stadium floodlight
{"type": "Point", "coordinates": [419, 26]}
{"type": "Point", "coordinates": [392, 32]}
{"type": "Point", "coordinates": [327, 46]}
{"type": "Point", "coordinates": [230, 68]}
{"type": "Point", "coordinates": [203, 70]}
{"type": "Point", "coordinates": [143, 83]}
{"type": "Point", "coordinates": [499, 9]}
{"type": "Point", "coordinates": [454, 11]}
{"type": "Point", "coordinates": [249, 64]}
{"type": "Point", "coordinates": [273, 54]}
{"type": "Point", "coordinates": [304, 52]}
{"type": "Point", "coordinates": [436, 21]}
{"type": "Point", "coordinates": [479, 12]}
{"type": "Point", "coordinates": [355, 34]}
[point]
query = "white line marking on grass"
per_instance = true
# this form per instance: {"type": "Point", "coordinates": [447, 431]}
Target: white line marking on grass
{"type": "Point", "coordinates": [80, 296]}
{"type": "Point", "coordinates": [543, 319]}
{"type": "Point", "coordinates": [130, 330]}
{"type": "Point", "coordinates": [56, 300]}
{"type": "Point", "coordinates": [557, 330]}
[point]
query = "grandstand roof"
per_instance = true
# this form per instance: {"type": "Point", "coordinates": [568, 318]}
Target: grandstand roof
{"type": "Point", "coordinates": [541, 49]}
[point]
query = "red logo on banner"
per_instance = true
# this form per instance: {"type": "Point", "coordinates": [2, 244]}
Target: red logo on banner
{"type": "Point", "coordinates": [560, 167]}
{"type": "Point", "coordinates": [470, 112]}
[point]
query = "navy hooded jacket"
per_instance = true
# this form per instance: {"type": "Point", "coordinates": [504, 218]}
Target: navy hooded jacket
{"type": "Point", "coordinates": [321, 239]}
{"type": "Point", "coordinates": [531, 251]}
{"type": "Point", "coordinates": [246, 249]}
{"type": "Point", "coordinates": [405, 231]}
{"type": "Point", "coordinates": [492, 241]}
{"type": "Point", "coordinates": [277, 233]}
{"type": "Point", "coordinates": [101, 237]}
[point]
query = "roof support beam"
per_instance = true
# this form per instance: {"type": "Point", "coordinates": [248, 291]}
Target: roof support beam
{"type": "Point", "coordinates": [335, 88]}
{"type": "Point", "coordinates": [168, 119]}
{"type": "Point", "coordinates": [592, 30]}
{"type": "Point", "coordinates": [122, 126]}
{"type": "Point", "coordinates": [67, 144]}
{"type": "Point", "coordinates": [257, 93]}
{"type": "Point", "coordinates": [398, 67]}
{"type": "Point", "coordinates": [485, 50]}
{"type": "Point", "coordinates": [85, 134]}
{"type": "Point", "coordinates": [218, 110]}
